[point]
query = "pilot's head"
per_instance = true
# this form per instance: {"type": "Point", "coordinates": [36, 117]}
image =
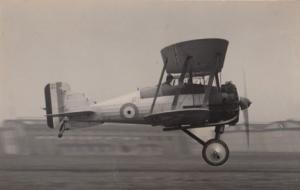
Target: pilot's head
{"type": "Point", "coordinates": [169, 79]}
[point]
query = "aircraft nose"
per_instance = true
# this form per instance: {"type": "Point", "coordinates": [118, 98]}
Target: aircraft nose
{"type": "Point", "coordinates": [244, 103]}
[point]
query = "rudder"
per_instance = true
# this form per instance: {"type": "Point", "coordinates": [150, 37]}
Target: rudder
{"type": "Point", "coordinates": [54, 100]}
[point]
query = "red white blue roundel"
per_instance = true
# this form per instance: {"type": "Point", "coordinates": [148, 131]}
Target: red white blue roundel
{"type": "Point", "coordinates": [129, 111]}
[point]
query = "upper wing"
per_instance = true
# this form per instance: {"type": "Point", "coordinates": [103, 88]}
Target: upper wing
{"type": "Point", "coordinates": [71, 114]}
{"type": "Point", "coordinates": [179, 117]}
{"type": "Point", "coordinates": [207, 56]}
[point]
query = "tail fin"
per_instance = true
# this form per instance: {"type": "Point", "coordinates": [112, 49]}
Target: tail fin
{"type": "Point", "coordinates": [55, 96]}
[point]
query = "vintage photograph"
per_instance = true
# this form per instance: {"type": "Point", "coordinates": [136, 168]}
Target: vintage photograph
{"type": "Point", "coordinates": [161, 94]}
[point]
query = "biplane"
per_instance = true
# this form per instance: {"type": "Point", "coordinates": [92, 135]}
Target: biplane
{"type": "Point", "coordinates": [192, 96]}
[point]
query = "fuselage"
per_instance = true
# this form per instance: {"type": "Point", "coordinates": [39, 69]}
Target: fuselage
{"type": "Point", "coordinates": [135, 106]}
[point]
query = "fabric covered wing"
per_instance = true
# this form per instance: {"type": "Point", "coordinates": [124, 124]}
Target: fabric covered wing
{"type": "Point", "coordinates": [179, 117]}
{"type": "Point", "coordinates": [207, 56]}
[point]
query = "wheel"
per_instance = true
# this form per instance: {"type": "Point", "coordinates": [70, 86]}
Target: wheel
{"type": "Point", "coordinates": [215, 152]}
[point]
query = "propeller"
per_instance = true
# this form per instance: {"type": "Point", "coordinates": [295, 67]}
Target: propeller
{"type": "Point", "coordinates": [246, 120]}
{"type": "Point", "coordinates": [245, 104]}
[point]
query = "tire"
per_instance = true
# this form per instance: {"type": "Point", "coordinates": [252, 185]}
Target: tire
{"type": "Point", "coordinates": [215, 152]}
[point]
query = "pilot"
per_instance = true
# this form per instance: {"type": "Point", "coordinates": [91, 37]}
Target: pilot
{"type": "Point", "coordinates": [169, 79]}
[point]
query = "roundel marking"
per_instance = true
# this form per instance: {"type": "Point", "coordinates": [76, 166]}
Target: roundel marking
{"type": "Point", "coordinates": [129, 111]}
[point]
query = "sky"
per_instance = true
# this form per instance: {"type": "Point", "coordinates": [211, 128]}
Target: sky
{"type": "Point", "coordinates": [106, 49]}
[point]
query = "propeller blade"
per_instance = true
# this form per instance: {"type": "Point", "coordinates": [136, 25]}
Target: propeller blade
{"type": "Point", "coordinates": [245, 83]}
{"type": "Point", "coordinates": [244, 104]}
{"type": "Point", "coordinates": [246, 123]}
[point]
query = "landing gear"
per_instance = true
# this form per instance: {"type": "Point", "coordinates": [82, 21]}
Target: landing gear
{"type": "Point", "coordinates": [215, 152]}
{"type": "Point", "coordinates": [62, 126]}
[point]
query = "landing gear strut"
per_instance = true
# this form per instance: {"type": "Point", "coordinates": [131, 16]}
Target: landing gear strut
{"type": "Point", "coordinates": [62, 126]}
{"type": "Point", "coordinates": [215, 152]}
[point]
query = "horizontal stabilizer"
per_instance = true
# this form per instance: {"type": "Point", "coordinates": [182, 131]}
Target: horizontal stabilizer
{"type": "Point", "coordinates": [72, 114]}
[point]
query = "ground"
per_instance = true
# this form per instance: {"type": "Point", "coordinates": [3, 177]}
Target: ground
{"type": "Point", "coordinates": [242, 171]}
